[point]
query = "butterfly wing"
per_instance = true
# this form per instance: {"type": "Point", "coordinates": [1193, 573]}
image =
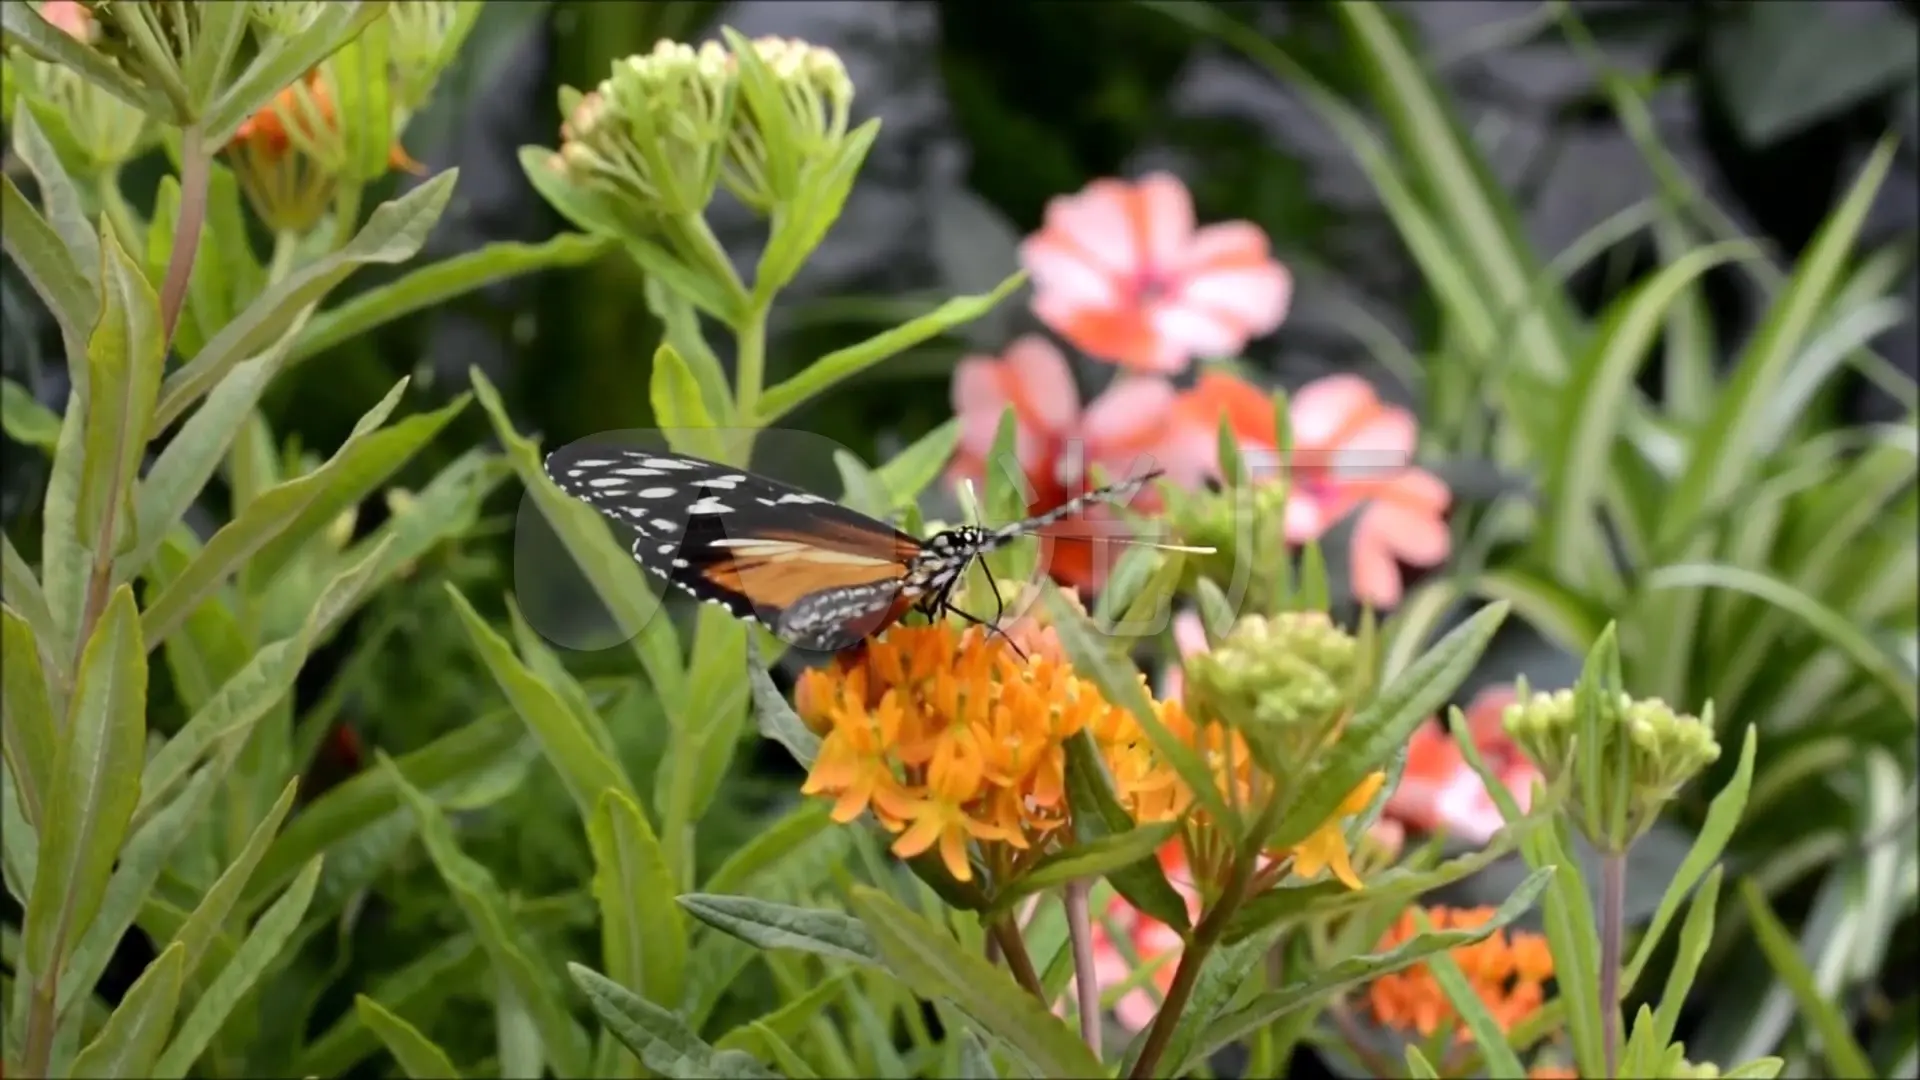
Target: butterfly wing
{"type": "Point", "coordinates": [817, 574]}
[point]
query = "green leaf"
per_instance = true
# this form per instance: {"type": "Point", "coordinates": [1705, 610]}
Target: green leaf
{"type": "Point", "coordinates": [24, 24]}
{"type": "Point", "coordinates": [66, 209]}
{"type": "Point", "coordinates": [393, 234]}
{"type": "Point", "coordinates": [209, 919]}
{"type": "Point", "coordinates": [784, 926]}
{"type": "Point", "coordinates": [1271, 1005]}
{"type": "Point", "coordinates": [1722, 455]}
{"type": "Point", "coordinates": [1573, 938]}
{"type": "Point", "coordinates": [417, 1055]}
{"type": "Point", "coordinates": [138, 1028]}
{"type": "Point", "coordinates": [1119, 683]}
{"type": "Point", "coordinates": [66, 562]}
{"type": "Point", "coordinates": [772, 844]}
{"type": "Point", "coordinates": [194, 454]}
{"type": "Point", "coordinates": [515, 959]}
{"type": "Point", "coordinates": [582, 767]}
{"type": "Point", "coordinates": [1488, 1038]}
{"type": "Point", "coordinates": [1097, 813]}
{"type": "Point", "coordinates": [823, 186]}
{"type": "Point", "coordinates": [776, 718]}
{"type": "Point", "coordinates": [860, 490]}
{"type": "Point", "coordinates": [94, 788]}
{"type": "Point", "coordinates": [355, 807]}
{"type": "Point", "coordinates": [1836, 629]}
{"type": "Point", "coordinates": [33, 246]}
{"type": "Point", "coordinates": [644, 939]}
{"type": "Point", "coordinates": [929, 962]}
{"type": "Point", "coordinates": [789, 1021]}
{"type": "Point", "coordinates": [1088, 859]}
{"type": "Point", "coordinates": [124, 357]}
{"type": "Point", "coordinates": [1594, 400]}
{"type": "Point", "coordinates": [838, 366]}
{"type": "Point", "coordinates": [29, 736]}
{"type": "Point", "coordinates": [257, 953]}
{"type": "Point", "coordinates": [432, 286]}
{"type": "Point", "coordinates": [913, 469]}
{"type": "Point", "coordinates": [414, 990]}
{"type": "Point", "coordinates": [1723, 817]}
{"type": "Point", "coordinates": [620, 584]}
{"type": "Point", "coordinates": [1843, 1053]}
{"type": "Point", "coordinates": [706, 732]}
{"type": "Point", "coordinates": [679, 408]}
{"type": "Point", "coordinates": [365, 109]}
{"type": "Point", "coordinates": [21, 591]}
{"type": "Point", "coordinates": [680, 324]}
{"type": "Point", "coordinates": [212, 51]}
{"type": "Point", "coordinates": [1696, 934]}
{"type": "Point", "coordinates": [1386, 723]}
{"type": "Point", "coordinates": [1418, 1067]}
{"type": "Point", "coordinates": [281, 60]}
{"type": "Point", "coordinates": [263, 536]}
{"type": "Point", "coordinates": [656, 1036]}
{"type": "Point", "coordinates": [1289, 905]}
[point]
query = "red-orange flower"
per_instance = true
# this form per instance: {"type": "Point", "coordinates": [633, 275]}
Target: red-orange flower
{"type": "Point", "coordinates": [1439, 790]}
{"type": "Point", "coordinates": [1120, 271]}
{"type": "Point", "coordinates": [266, 132]}
{"type": "Point", "coordinates": [1507, 972]}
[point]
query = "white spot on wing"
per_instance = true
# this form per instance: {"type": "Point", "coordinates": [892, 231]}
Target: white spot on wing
{"type": "Point", "coordinates": [607, 481]}
{"type": "Point", "coordinates": [665, 463]}
{"type": "Point", "coordinates": [654, 492]}
{"type": "Point", "coordinates": [663, 524]}
{"type": "Point", "coordinates": [710, 505]}
{"type": "Point", "coordinates": [638, 472]}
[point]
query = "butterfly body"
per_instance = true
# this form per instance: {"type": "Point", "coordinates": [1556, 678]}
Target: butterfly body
{"type": "Point", "coordinates": [819, 575]}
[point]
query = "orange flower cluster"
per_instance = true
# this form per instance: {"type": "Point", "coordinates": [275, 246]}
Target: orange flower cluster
{"type": "Point", "coordinates": [1508, 972]}
{"type": "Point", "coordinates": [265, 132]}
{"type": "Point", "coordinates": [949, 736]}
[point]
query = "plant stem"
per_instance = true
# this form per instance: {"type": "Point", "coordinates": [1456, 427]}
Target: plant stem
{"type": "Point", "coordinates": [41, 1017]}
{"type": "Point", "coordinates": [751, 367]}
{"type": "Point", "coordinates": [1018, 962]}
{"type": "Point", "coordinates": [346, 213]}
{"type": "Point", "coordinates": [1613, 905]}
{"type": "Point", "coordinates": [195, 169]}
{"type": "Point", "coordinates": [1085, 981]}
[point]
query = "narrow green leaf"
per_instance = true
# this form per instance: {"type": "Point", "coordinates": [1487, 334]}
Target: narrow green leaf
{"type": "Point", "coordinates": [680, 409]}
{"type": "Point", "coordinates": [1573, 939]}
{"type": "Point", "coordinates": [768, 846]}
{"type": "Point", "coordinates": [657, 1037]}
{"type": "Point", "coordinates": [1837, 1044]}
{"type": "Point", "coordinates": [790, 1021]}
{"type": "Point", "coordinates": [776, 718]}
{"type": "Point", "coordinates": [21, 592]}
{"type": "Point", "coordinates": [1723, 817]}
{"type": "Point", "coordinates": [620, 584]}
{"type": "Point", "coordinates": [415, 990]}
{"type": "Point", "coordinates": [417, 1055]}
{"type": "Point", "coordinates": [138, 1028]}
{"type": "Point", "coordinates": [209, 919]}
{"type": "Point", "coordinates": [1418, 1067]}
{"type": "Point", "coordinates": [66, 209]}
{"type": "Point", "coordinates": [257, 953]}
{"type": "Point", "coordinates": [932, 964]}
{"type": "Point", "coordinates": [860, 489]}
{"type": "Point", "coordinates": [66, 562]}
{"type": "Point", "coordinates": [706, 733]}
{"type": "Point", "coordinates": [823, 186]}
{"type": "Point", "coordinates": [1722, 455]}
{"type": "Point", "coordinates": [124, 359]}
{"type": "Point", "coordinates": [35, 248]}
{"type": "Point", "coordinates": [94, 788]}
{"type": "Point", "coordinates": [644, 938]}
{"type": "Point", "coordinates": [1274, 1004]}
{"type": "Point", "coordinates": [514, 958]}
{"type": "Point", "coordinates": [838, 366]}
{"type": "Point", "coordinates": [393, 234]}
{"type": "Point", "coordinates": [1386, 723]}
{"type": "Point", "coordinates": [582, 767]}
{"type": "Point", "coordinates": [1119, 683]}
{"type": "Point", "coordinates": [1088, 859]}
{"type": "Point", "coordinates": [25, 420]}
{"type": "Point", "coordinates": [1097, 813]}
{"type": "Point", "coordinates": [680, 323]}
{"type": "Point", "coordinates": [31, 737]}
{"type": "Point", "coordinates": [281, 60]}
{"type": "Point", "coordinates": [434, 285]}
{"type": "Point", "coordinates": [911, 470]}
{"type": "Point", "coordinates": [772, 925]}
{"type": "Point", "coordinates": [1495, 1052]}
{"type": "Point", "coordinates": [1696, 934]}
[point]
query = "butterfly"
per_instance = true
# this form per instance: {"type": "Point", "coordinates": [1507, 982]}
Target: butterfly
{"type": "Point", "coordinates": [818, 575]}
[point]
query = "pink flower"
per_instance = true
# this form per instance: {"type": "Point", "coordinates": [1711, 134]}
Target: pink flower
{"type": "Point", "coordinates": [70, 16]}
{"type": "Point", "coordinates": [1439, 790]}
{"type": "Point", "coordinates": [1057, 442]}
{"type": "Point", "coordinates": [1349, 451]}
{"type": "Point", "coordinates": [1120, 271]}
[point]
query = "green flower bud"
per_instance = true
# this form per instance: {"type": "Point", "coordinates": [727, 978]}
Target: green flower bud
{"type": "Point", "coordinates": [1245, 526]}
{"type": "Point", "coordinates": [797, 98]}
{"type": "Point", "coordinates": [1285, 682]}
{"type": "Point", "coordinates": [1660, 749]}
{"type": "Point", "coordinates": [650, 136]}
{"type": "Point", "coordinates": [425, 37]}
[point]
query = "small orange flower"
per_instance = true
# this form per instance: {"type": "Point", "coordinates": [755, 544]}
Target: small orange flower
{"type": "Point", "coordinates": [1508, 973]}
{"type": "Point", "coordinates": [949, 736]}
{"type": "Point", "coordinates": [265, 133]}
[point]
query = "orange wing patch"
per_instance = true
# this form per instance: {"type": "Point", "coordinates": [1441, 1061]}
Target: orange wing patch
{"type": "Point", "coordinates": [777, 572]}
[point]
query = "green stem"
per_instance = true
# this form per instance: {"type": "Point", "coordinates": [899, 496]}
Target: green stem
{"type": "Point", "coordinates": [196, 168]}
{"type": "Point", "coordinates": [751, 367]}
{"type": "Point", "coordinates": [1085, 981]}
{"type": "Point", "coordinates": [346, 213]}
{"type": "Point", "coordinates": [286, 243]}
{"type": "Point", "coordinates": [1613, 905]}
{"type": "Point", "coordinates": [1014, 948]}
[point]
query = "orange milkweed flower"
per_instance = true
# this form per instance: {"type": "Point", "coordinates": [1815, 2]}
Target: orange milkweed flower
{"type": "Point", "coordinates": [266, 132]}
{"type": "Point", "coordinates": [948, 736]}
{"type": "Point", "coordinates": [1508, 972]}
{"type": "Point", "coordinates": [1121, 272]}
